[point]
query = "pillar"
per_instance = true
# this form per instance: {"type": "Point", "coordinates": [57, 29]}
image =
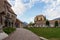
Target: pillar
{"type": "Point", "coordinates": [1, 28]}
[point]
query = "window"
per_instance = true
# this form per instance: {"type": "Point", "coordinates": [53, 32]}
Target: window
{"type": "Point", "coordinates": [9, 23]}
{"type": "Point", "coordinates": [12, 24]}
{"type": "Point", "coordinates": [8, 15]}
{"type": "Point", "coordinates": [6, 23]}
{"type": "Point", "coordinates": [40, 19]}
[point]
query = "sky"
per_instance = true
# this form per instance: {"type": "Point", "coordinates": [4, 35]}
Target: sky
{"type": "Point", "coordinates": [26, 10]}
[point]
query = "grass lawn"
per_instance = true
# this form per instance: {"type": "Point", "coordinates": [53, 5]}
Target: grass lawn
{"type": "Point", "coordinates": [49, 33]}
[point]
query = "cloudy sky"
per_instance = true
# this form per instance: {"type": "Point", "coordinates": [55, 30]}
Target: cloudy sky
{"type": "Point", "coordinates": [26, 10]}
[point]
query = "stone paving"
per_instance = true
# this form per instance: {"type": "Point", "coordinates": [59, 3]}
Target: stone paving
{"type": "Point", "coordinates": [22, 34]}
{"type": "Point", "coordinates": [3, 35]}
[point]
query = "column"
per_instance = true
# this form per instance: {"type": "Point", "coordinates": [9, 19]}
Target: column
{"type": "Point", "coordinates": [0, 24]}
{"type": "Point", "coordinates": [1, 28]}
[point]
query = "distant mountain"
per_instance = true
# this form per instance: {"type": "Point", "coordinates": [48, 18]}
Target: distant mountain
{"type": "Point", "coordinates": [25, 23]}
{"type": "Point", "coordinates": [57, 18]}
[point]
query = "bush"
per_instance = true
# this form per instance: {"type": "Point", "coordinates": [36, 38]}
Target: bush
{"type": "Point", "coordinates": [9, 30]}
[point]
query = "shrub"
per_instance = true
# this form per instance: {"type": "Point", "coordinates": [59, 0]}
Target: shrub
{"type": "Point", "coordinates": [9, 30]}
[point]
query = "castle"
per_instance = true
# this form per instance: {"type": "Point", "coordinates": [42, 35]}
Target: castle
{"type": "Point", "coordinates": [40, 21]}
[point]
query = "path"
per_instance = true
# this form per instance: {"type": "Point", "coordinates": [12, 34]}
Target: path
{"type": "Point", "coordinates": [22, 34]}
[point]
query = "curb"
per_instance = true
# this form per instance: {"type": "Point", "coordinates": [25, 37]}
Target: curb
{"type": "Point", "coordinates": [3, 35]}
{"type": "Point", "coordinates": [42, 38]}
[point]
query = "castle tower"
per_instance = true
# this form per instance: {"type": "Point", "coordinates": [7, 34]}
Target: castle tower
{"type": "Point", "coordinates": [40, 21]}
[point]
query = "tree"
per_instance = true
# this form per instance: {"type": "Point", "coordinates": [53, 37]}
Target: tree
{"type": "Point", "coordinates": [56, 23]}
{"type": "Point", "coordinates": [47, 23]}
{"type": "Point", "coordinates": [31, 24]}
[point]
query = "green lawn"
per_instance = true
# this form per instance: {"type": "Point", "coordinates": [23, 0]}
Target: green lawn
{"type": "Point", "coordinates": [49, 33]}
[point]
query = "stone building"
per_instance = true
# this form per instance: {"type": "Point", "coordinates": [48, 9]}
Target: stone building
{"type": "Point", "coordinates": [40, 21]}
{"type": "Point", "coordinates": [10, 17]}
{"type": "Point", "coordinates": [7, 16]}
{"type": "Point", "coordinates": [19, 24]}
{"type": "Point", "coordinates": [52, 23]}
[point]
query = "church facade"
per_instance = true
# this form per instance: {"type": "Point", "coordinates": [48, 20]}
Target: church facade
{"type": "Point", "coordinates": [40, 21]}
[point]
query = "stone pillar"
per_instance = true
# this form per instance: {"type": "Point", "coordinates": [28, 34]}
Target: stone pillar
{"type": "Point", "coordinates": [14, 25]}
{"type": "Point", "coordinates": [1, 24]}
{"type": "Point", "coordinates": [1, 28]}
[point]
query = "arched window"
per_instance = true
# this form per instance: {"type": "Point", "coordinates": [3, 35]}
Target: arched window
{"type": "Point", "coordinates": [40, 19]}
{"type": "Point", "coordinates": [56, 23]}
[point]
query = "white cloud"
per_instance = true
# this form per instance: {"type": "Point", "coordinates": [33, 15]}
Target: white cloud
{"type": "Point", "coordinates": [31, 19]}
{"type": "Point", "coordinates": [19, 7]}
{"type": "Point", "coordinates": [52, 9]}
